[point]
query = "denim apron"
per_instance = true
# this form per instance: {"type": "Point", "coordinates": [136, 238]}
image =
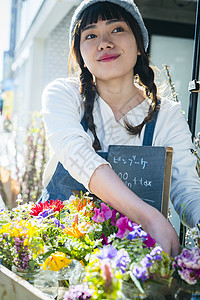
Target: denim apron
{"type": "Point", "coordinates": [62, 184]}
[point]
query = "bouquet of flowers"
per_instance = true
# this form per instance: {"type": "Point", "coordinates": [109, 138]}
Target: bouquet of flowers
{"type": "Point", "coordinates": [96, 249]}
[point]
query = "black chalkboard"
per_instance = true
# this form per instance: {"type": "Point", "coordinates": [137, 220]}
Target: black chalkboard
{"type": "Point", "coordinates": [143, 170]}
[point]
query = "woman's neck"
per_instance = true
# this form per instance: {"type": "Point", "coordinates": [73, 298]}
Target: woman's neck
{"type": "Point", "coordinates": [121, 96]}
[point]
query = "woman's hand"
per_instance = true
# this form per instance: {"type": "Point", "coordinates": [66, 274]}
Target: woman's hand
{"type": "Point", "coordinates": [106, 185]}
{"type": "Point", "coordinates": [163, 232]}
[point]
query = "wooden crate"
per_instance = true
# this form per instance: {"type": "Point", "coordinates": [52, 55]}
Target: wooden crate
{"type": "Point", "coordinates": [13, 287]}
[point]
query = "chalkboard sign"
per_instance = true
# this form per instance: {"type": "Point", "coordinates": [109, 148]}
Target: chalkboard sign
{"type": "Point", "coordinates": [146, 170]}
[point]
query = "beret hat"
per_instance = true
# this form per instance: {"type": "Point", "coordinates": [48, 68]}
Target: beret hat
{"type": "Point", "coordinates": [128, 5]}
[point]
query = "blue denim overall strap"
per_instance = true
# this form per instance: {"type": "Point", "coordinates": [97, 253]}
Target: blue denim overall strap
{"type": "Point", "coordinates": [62, 183]}
{"type": "Point", "coordinates": [149, 129]}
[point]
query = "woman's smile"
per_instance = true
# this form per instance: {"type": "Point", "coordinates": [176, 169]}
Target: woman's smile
{"type": "Point", "coordinates": [108, 57]}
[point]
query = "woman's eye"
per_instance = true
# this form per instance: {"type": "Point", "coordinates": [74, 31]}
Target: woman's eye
{"type": "Point", "coordinates": [118, 29]}
{"type": "Point", "coordinates": [90, 36]}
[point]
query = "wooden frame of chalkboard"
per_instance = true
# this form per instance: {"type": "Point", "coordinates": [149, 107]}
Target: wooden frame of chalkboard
{"type": "Point", "coordinates": [146, 170]}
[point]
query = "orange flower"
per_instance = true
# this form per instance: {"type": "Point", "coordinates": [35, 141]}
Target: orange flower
{"type": "Point", "coordinates": [81, 203]}
{"type": "Point", "coordinates": [74, 231]}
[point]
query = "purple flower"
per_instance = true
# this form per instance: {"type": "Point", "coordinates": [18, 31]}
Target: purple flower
{"type": "Point", "coordinates": [58, 224]}
{"type": "Point", "coordinates": [104, 239]}
{"type": "Point", "coordinates": [122, 260]}
{"type": "Point", "coordinates": [80, 292]}
{"type": "Point", "coordinates": [124, 226]}
{"type": "Point", "coordinates": [45, 213]}
{"type": "Point", "coordinates": [140, 273]}
{"type": "Point", "coordinates": [137, 232]}
{"type": "Point", "coordinates": [188, 275]}
{"type": "Point", "coordinates": [157, 250]}
{"type": "Point", "coordinates": [107, 252]}
{"type": "Point", "coordinates": [188, 264]}
{"type": "Point", "coordinates": [103, 215]}
{"type": "Point", "coordinates": [147, 261]}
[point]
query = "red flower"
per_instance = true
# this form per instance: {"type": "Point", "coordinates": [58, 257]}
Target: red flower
{"type": "Point", "coordinates": [55, 205]}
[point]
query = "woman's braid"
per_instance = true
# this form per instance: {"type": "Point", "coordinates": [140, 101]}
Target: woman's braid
{"type": "Point", "coordinates": [88, 92]}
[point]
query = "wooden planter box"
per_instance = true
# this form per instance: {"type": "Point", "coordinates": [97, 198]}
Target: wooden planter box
{"type": "Point", "coordinates": [13, 287]}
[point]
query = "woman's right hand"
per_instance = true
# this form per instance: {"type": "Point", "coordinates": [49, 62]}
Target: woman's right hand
{"type": "Point", "coordinates": [107, 186]}
{"type": "Point", "coordinates": [163, 232]}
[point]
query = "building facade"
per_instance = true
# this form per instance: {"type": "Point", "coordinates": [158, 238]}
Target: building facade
{"type": "Point", "coordinates": [39, 46]}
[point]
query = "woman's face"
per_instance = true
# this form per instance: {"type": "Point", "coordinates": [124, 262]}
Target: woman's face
{"type": "Point", "coordinates": [109, 49]}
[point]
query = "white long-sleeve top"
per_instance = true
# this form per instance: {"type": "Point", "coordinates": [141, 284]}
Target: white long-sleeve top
{"type": "Point", "coordinates": [72, 146]}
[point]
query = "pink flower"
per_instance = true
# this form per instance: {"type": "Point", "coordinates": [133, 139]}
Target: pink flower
{"type": "Point", "coordinates": [149, 241]}
{"type": "Point", "coordinates": [99, 216]}
{"type": "Point", "coordinates": [114, 216]}
{"type": "Point", "coordinates": [108, 276]}
{"type": "Point", "coordinates": [124, 227]}
{"type": "Point", "coordinates": [103, 215]}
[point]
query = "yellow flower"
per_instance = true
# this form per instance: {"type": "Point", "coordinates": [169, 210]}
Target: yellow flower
{"type": "Point", "coordinates": [56, 261]}
{"type": "Point", "coordinates": [26, 242]}
{"type": "Point", "coordinates": [5, 228]}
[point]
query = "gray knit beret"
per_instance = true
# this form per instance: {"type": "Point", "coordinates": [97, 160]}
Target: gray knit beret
{"type": "Point", "coordinates": [128, 5]}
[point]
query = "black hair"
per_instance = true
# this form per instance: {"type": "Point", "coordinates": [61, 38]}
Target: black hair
{"type": "Point", "coordinates": [106, 11]}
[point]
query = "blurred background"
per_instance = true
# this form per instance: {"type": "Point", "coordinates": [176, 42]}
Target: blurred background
{"type": "Point", "coordinates": [34, 51]}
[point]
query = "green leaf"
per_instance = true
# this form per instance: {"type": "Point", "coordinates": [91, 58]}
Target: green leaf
{"type": "Point", "coordinates": [137, 283]}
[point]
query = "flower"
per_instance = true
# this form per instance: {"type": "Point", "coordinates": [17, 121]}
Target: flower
{"type": "Point", "coordinates": [110, 247]}
{"type": "Point", "coordinates": [122, 260]}
{"type": "Point", "coordinates": [55, 205]}
{"type": "Point", "coordinates": [108, 252]}
{"type": "Point", "coordinates": [136, 232]}
{"type": "Point", "coordinates": [141, 273]}
{"type": "Point", "coordinates": [80, 291]}
{"type": "Point", "coordinates": [74, 230]}
{"type": "Point", "coordinates": [56, 261]}
{"type": "Point", "coordinates": [149, 241]}
{"type": "Point", "coordinates": [188, 265]}
{"type": "Point", "coordinates": [124, 227]}
{"type": "Point", "coordinates": [104, 215]}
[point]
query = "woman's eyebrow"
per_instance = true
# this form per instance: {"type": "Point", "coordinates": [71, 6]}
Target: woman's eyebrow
{"type": "Point", "coordinates": [92, 26]}
{"type": "Point", "coordinates": [114, 21]}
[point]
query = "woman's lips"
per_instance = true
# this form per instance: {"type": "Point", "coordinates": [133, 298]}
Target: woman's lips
{"type": "Point", "coordinates": [106, 58]}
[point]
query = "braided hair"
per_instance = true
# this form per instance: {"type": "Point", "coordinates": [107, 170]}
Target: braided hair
{"type": "Point", "coordinates": [142, 69]}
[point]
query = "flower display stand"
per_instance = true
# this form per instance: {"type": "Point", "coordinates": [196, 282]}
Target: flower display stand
{"type": "Point", "coordinates": [13, 287]}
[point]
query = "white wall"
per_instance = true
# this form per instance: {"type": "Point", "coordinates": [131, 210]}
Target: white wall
{"type": "Point", "coordinates": [57, 51]}
{"type": "Point", "coordinates": [28, 11]}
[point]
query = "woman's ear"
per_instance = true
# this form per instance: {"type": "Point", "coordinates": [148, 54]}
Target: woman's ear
{"type": "Point", "coordinates": [138, 53]}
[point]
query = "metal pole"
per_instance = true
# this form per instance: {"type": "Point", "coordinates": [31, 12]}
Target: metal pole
{"type": "Point", "coordinates": [195, 74]}
{"type": "Point", "coordinates": [193, 95]}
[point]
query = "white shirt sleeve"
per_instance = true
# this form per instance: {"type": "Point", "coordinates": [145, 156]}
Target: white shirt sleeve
{"type": "Point", "coordinates": [185, 184]}
{"type": "Point", "coordinates": [62, 110]}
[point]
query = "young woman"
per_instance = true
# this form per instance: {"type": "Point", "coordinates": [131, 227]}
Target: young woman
{"type": "Point", "coordinates": [105, 106]}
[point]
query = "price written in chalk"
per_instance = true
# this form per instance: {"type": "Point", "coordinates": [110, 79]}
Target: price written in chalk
{"type": "Point", "coordinates": [130, 161]}
{"type": "Point", "coordinates": [131, 182]}
{"type": "Point", "coordinates": [142, 169]}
